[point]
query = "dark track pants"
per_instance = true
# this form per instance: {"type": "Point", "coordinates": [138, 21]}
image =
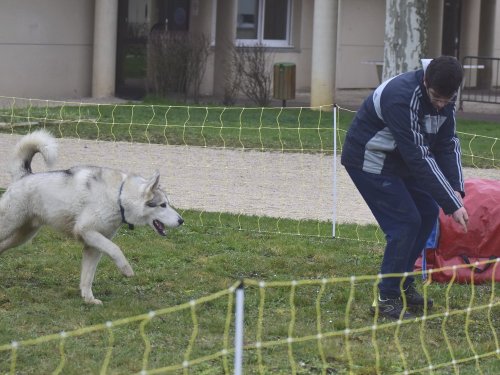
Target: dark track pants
{"type": "Point", "coordinates": [406, 214]}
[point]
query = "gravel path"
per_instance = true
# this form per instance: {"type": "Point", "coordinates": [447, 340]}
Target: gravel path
{"type": "Point", "coordinates": [297, 186]}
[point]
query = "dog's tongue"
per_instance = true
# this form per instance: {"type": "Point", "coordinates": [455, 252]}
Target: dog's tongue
{"type": "Point", "coordinates": [160, 228]}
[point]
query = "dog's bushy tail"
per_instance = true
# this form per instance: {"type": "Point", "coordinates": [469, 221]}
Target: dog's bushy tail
{"type": "Point", "coordinates": [38, 141]}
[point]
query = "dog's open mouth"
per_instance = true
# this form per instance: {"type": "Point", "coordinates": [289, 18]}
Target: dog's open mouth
{"type": "Point", "coordinates": [160, 228]}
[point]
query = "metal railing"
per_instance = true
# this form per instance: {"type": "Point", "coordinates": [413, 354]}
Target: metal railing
{"type": "Point", "coordinates": [481, 80]}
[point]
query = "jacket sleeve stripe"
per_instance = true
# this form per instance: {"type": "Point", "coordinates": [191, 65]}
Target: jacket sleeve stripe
{"type": "Point", "coordinates": [419, 141]}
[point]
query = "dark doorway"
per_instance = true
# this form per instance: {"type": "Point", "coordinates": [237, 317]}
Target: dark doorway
{"type": "Point", "coordinates": [131, 52]}
{"type": "Point", "coordinates": [175, 14]}
{"type": "Point", "coordinates": [451, 28]}
{"type": "Point", "coordinates": [134, 26]}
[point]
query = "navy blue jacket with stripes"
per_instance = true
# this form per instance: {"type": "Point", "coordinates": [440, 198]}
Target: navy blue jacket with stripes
{"type": "Point", "coordinates": [398, 132]}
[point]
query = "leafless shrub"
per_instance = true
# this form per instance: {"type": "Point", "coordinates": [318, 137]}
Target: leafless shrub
{"type": "Point", "coordinates": [199, 48]}
{"type": "Point", "coordinates": [232, 84]}
{"type": "Point", "coordinates": [253, 73]}
{"type": "Point", "coordinates": [167, 62]}
{"type": "Point", "coordinates": [177, 62]}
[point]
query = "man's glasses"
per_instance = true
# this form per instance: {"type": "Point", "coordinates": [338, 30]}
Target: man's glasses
{"type": "Point", "coordinates": [440, 100]}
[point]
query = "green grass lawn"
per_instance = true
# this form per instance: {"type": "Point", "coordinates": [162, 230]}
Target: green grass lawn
{"type": "Point", "coordinates": [39, 296]}
{"type": "Point", "coordinates": [266, 129]}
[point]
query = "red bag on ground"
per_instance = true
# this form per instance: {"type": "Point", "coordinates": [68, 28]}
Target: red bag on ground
{"type": "Point", "coordinates": [475, 252]}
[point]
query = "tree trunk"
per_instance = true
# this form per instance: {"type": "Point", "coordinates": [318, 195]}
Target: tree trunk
{"type": "Point", "coordinates": [405, 36]}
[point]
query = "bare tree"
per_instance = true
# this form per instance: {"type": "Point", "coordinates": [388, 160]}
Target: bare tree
{"type": "Point", "coordinates": [177, 62]}
{"type": "Point", "coordinates": [252, 73]}
{"type": "Point", "coordinates": [168, 61]}
{"type": "Point", "coordinates": [405, 36]}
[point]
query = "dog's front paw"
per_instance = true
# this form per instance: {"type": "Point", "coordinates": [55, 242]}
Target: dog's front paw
{"type": "Point", "coordinates": [88, 297]}
{"type": "Point", "coordinates": [127, 270]}
{"type": "Point", "coordinates": [93, 301]}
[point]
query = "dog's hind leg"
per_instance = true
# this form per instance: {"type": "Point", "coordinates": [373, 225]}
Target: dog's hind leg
{"type": "Point", "coordinates": [90, 260]}
{"type": "Point", "coordinates": [18, 237]}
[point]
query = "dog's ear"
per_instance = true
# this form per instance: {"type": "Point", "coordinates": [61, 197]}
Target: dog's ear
{"type": "Point", "coordinates": [153, 183]}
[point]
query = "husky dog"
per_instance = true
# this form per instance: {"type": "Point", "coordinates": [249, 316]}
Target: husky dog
{"type": "Point", "coordinates": [86, 202]}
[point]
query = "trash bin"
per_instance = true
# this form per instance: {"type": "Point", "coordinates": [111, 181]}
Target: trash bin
{"type": "Point", "coordinates": [284, 82]}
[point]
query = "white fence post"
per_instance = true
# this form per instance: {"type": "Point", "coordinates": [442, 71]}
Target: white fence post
{"type": "Point", "coordinates": [334, 212]}
{"type": "Point", "coordinates": [238, 335]}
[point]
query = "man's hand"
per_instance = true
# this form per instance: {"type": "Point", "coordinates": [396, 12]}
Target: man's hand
{"type": "Point", "coordinates": [461, 217]}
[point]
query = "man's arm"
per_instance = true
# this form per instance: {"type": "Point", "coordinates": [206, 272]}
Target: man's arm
{"type": "Point", "coordinates": [403, 122]}
{"type": "Point", "coordinates": [447, 152]}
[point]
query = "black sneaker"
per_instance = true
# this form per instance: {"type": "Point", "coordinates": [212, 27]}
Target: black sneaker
{"type": "Point", "coordinates": [415, 301]}
{"type": "Point", "coordinates": [391, 308]}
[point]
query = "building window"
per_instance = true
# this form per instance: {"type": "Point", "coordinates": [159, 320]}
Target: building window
{"type": "Point", "coordinates": [264, 22]}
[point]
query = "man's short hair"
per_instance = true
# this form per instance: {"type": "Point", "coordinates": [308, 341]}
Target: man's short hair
{"type": "Point", "coordinates": [444, 75]}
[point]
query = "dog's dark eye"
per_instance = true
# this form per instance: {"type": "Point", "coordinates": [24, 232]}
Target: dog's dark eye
{"type": "Point", "coordinates": [150, 204]}
{"type": "Point", "coordinates": [164, 205]}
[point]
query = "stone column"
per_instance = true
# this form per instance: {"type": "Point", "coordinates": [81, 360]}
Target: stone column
{"type": "Point", "coordinates": [225, 35]}
{"type": "Point", "coordinates": [434, 28]}
{"type": "Point", "coordinates": [324, 52]}
{"type": "Point", "coordinates": [105, 37]}
{"type": "Point", "coordinates": [469, 28]}
{"type": "Point", "coordinates": [486, 42]}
